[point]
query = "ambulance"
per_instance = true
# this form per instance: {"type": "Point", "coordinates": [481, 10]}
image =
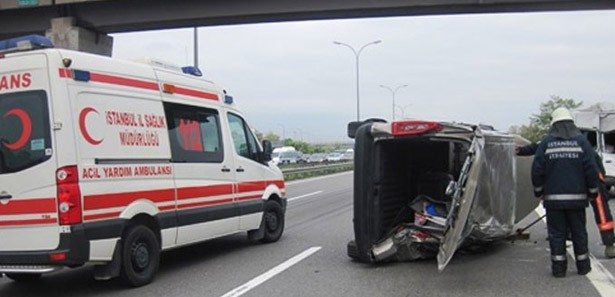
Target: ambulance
{"type": "Point", "coordinates": [107, 162]}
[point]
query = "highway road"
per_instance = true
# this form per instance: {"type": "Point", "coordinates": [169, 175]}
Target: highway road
{"type": "Point", "coordinates": [310, 260]}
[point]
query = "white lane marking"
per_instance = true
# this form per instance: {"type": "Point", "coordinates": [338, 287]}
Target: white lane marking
{"type": "Point", "coordinates": [271, 273]}
{"type": "Point", "coordinates": [600, 277]}
{"type": "Point", "coordinates": [303, 196]}
{"type": "Point", "coordinates": [318, 178]}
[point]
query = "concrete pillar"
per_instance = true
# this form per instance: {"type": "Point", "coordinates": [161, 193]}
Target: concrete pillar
{"type": "Point", "coordinates": [64, 34]}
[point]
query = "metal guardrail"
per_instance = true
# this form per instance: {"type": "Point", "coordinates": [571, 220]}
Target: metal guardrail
{"type": "Point", "coordinates": [316, 168]}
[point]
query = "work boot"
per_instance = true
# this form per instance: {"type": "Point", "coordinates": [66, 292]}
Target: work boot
{"type": "Point", "coordinates": [609, 251]}
{"type": "Point", "coordinates": [558, 268]}
{"type": "Point", "coordinates": [584, 267]}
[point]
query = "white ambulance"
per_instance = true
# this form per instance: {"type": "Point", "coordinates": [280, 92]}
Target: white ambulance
{"type": "Point", "coordinates": [109, 162]}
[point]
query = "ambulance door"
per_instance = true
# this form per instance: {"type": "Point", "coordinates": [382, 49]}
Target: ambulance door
{"type": "Point", "coordinates": [28, 160]}
{"type": "Point", "coordinates": [252, 176]}
{"type": "Point", "coordinates": [204, 175]}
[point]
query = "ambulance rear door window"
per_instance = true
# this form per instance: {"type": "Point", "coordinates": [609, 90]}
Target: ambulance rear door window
{"type": "Point", "coordinates": [194, 133]}
{"type": "Point", "coordinates": [25, 134]}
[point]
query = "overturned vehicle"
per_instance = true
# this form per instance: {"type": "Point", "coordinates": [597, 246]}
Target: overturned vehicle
{"type": "Point", "coordinates": [425, 189]}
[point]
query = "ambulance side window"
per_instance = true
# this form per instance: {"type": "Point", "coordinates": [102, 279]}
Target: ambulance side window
{"type": "Point", "coordinates": [243, 139]}
{"type": "Point", "coordinates": [194, 133]}
{"type": "Point", "coordinates": [25, 134]}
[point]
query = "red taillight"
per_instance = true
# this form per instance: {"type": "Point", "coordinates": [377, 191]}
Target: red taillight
{"type": "Point", "coordinates": [57, 257]}
{"type": "Point", "coordinates": [414, 127]}
{"type": "Point", "coordinates": [69, 195]}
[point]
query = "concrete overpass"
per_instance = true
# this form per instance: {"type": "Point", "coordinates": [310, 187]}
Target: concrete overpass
{"type": "Point", "coordinates": [99, 17]}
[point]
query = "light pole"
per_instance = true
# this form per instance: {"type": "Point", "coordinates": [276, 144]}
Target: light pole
{"type": "Point", "coordinates": [393, 92]}
{"type": "Point", "coordinates": [357, 54]}
{"type": "Point", "coordinates": [403, 110]}
{"type": "Point", "coordinates": [283, 131]}
{"type": "Point", "coordinates": [196, 47]}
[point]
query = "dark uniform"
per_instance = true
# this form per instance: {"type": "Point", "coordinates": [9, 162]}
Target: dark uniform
{"type": "Point", "coordinates": [565, 175]}
{"type": "Point", "coordinates": [600, 205]}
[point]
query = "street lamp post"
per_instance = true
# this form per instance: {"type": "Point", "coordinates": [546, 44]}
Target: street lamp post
{"type": "Point", "coordinates": [357, 54]}
{"type": "Point", "coordinates": [393, 92]}
{"type": "Point", "coordinates": [403, 110]}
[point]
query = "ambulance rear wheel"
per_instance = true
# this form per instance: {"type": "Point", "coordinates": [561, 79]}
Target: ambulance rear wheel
{"type": "Point", "coordinates": [24, 277]}
{"type": "Point", "coordinates": [140, 256]}
{"type": "Point", "coordinates": [273, 220]}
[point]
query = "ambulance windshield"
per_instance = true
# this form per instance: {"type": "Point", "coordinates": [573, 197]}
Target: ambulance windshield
{"type": "Point", "coordinates": [25, 134]}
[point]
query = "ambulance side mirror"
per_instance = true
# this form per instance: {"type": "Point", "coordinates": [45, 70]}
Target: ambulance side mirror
{"type": "Point", "coordinates": [267, 150]}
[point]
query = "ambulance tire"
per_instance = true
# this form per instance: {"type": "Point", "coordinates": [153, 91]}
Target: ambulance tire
{"type": "Point", "coordinates": [140, 256]}
{"type": "Point", "coordinates": [24, 277]}
{"type": "Point", "coordinates": [273, 220]}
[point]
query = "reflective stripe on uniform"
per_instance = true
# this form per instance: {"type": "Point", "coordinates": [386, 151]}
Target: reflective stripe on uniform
{"type": "Point", "coordinates": [582, 257]}
{"type": "Point", "coordinates": [563, 150]}
{"type": "Point", "coordinates": [558, 258]}
{"type": "Point", "coordinates": [538, 189]}
{"type": "Point", "coordinates": [566, 197]}
{"type": "Point", "coordinates": [593, 190]}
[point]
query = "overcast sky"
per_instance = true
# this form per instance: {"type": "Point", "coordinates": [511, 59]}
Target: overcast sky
{"type": "Point", "coordinates": [289, 78]}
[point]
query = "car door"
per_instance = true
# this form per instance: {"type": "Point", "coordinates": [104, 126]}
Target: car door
{"type": "Point", "coordinates": [252, 176]}
{"type": "Point", "coordinates": [463, 199]}
{"type": "Point", "coordinates": [203, 174]}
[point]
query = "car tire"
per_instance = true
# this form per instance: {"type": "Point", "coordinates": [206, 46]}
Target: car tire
{"type": "Point", "coordinates": [140, 256]}
{"type": "Point", "coordinates": [24, 277]}
{"type": "Point", "coordinates": [273, 221]}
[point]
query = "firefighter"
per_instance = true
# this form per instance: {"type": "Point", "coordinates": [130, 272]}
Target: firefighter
{"type": "Point", "coordinates": [600, 205]}
{"type": "Point", "coordinates": [565, 175]}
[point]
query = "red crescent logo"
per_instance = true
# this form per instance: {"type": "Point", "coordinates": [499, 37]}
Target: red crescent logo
{"type": "Point", "coordinates": [26, 123]}
{"type": "Point", "coordinates": [82, 115]}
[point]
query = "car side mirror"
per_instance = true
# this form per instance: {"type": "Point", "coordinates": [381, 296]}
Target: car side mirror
{"type": "Point", "coordinates": [267, 150]}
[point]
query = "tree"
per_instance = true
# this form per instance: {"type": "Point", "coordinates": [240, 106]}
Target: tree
{"type": "Point", "coordinates": [540, 123]}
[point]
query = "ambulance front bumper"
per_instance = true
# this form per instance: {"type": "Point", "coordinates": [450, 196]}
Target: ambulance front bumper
{"type": "Point", "coordinates": [72, 251]}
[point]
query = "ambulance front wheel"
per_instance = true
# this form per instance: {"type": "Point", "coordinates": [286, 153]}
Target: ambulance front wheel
{"type": "Point", "coordinates": [140, 256]}
{"type": "Point", "coordinates": [273, 220]}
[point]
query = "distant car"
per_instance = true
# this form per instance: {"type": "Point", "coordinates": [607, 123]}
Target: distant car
{"type": "Point", "coordinates": [290, 157]}
{"type": "Point", "coordinates": [334, 157]}
{"type": "Point", "coordinates": [348, 156]}
{"type": "Point", "coordinates": [317, 158]}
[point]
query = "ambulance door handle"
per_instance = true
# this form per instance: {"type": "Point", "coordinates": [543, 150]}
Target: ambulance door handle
{"type": "Point", "coordinates": [5, 196]}
{"type": "Point", "coordinates": [240, 169]}
{"type": "Point", "coordinates": [226, 169]}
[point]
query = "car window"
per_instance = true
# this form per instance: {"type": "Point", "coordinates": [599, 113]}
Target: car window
{"type": "Point", "coordinates": [243, 139]}
{"type": "Point", "coordinates": [25, 134]}
{"type": "Point", "coordinates": [194, 133]}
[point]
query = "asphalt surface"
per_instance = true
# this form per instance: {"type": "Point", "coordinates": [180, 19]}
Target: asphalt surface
{"type": "Point", "coordinates": [319, 222]}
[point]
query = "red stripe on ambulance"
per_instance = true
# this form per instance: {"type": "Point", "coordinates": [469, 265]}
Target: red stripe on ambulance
{"type": "Point", "coordinates": [197, 192]}
{"type": "Point", "coordinates": [195, 93]}
{"type": "Point", "coordinates": [29, 206]}
{"type": "Point", "coordinates": [94, 202]}
{"type": "Point", "coordinates": [28, 222]}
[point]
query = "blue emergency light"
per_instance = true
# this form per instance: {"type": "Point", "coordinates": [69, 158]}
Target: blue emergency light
{"type": "Point", "coordinates": [25, 43]}
{"type": "Point", "coordinates": [192, 70]}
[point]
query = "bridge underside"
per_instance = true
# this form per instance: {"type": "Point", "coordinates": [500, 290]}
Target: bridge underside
{"type": "Point", "coordinates": [110, 16]}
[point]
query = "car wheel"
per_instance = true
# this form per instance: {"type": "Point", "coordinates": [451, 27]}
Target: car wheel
{"type": "Point", "coordinates": [273, 220]}
{"type": "Point", "coordinates": [24, 277]}
{"type": "Point", "coordinates": [140, 256]}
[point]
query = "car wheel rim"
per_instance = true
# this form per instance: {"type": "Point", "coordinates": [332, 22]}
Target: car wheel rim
{"type": "Point", "coordinates": [140, 256]}
{"type": "Point", "coordinates": [271, 220]}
